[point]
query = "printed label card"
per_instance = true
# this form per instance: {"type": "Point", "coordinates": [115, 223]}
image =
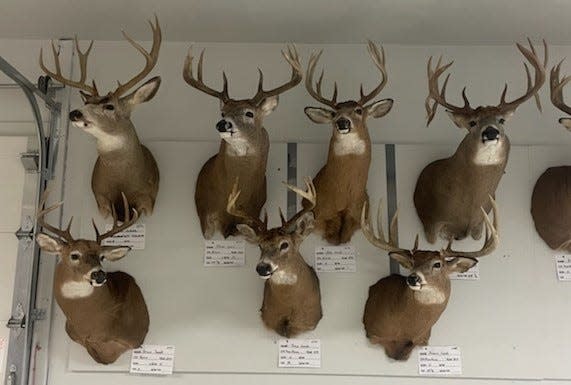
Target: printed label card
{"type": "Point", "coordinates": [298, 353]}
{"type": "Point", "coordinates": [153, 359]}
{"type": "Point", "coordinates": [439, 361]}
{"type": "Point", "coordinates": [335, 259]}
{"type": "Point", "coordinates": [224, 253]}
{"type": "Point", "coordinates": [134, 237]}
{"type": "Point", "coordinates": [563, 266]}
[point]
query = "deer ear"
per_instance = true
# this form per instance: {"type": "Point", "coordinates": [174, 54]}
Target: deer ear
{"type": "Point", "coordinates": [114, 253]}
{"type": "Point", "coordinates": [461, 264]}
{"type": "Point", "coordinates": [319, 115]}
{"type": "Point", "coordinates": [247, 232]}
{"type": "Point", "coordinates": [303, 226]}
{"type": "Point", "coordinates": [145, 92]}
{"type": "Point", "coordinates": [459, 120]}
{"type": "Point", "coordinates": [404, 260]}
{"type": "Point", "coordinates": [380, 108]}
{"type": "Point", "coordinates": [269, 104]}
{"type": "Point", "coordinates": [49, 244]}
{"type": "Point", "coordinates": [566, 122]}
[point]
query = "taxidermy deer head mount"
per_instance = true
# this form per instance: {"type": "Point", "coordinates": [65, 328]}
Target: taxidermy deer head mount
{"type": "Point", "coordinates": [124, 165]}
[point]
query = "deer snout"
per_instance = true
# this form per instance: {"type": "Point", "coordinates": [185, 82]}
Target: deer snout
{"type": "Point", "coordinates": [490, 133]}
{"type": "Point", "coordinates": [414, 281]}
{"type": "Point", "coordinates": [343, 125]}
{"type": "Point", "coordinates": [264, 270]}
{"type": "Point", "coordinates": [224, 126]}
{"type": "Point", "coordinates": [98, 277]}
{"type": "Point", "coordinates": [75, 115]}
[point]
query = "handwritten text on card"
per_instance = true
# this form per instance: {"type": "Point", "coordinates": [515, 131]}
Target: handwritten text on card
{"type": "Point", "coordinates": [298, 353]}
{"type": "Point", "coordinates": [439, 361]}
{"type": "Point", "coordinates": [134, 237]}
{"type": "Point", "coordinates": [563, 265]}
{"type": "Point", "coordinates": [224, 253]}
{"type": "Point", "coordinates": [153, 359]}
{"type": "Point", "coordinates": [335, 259]}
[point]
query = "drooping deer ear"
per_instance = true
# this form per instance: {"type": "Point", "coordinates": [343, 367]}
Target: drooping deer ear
{"type": "Point", "coordinates": [303, 226]}
{"type": "Point", "coordinates": [319, 115]}
{"type": "Point", "coordinates": [461, 264]}
{"type": "Point", "coordinates": [112, 253]}
{"type": "Point", "coordinates": [144, 93]}
{"type": "Point", "coordinates": [247, 232]}
{"type": "Point", "coordinates": [380, 108]}
{"type": "Point", "coordinates": [566, 122]}
{"type": "Point", "coordinates": [49, 244]}
{"type": "Point", "coordinates": [404, 260]}
{"type": "Point", "coordinates": [269, 104]}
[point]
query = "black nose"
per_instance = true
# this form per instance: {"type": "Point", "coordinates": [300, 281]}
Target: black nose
{"type": "Point", "coordinates": [343, 124]}
{"type": "Point", "coordinates": [99, 276]}
{"type": "Point", "coordinates": [75, 115]}
{"type": "Point", "coordinates": [490, 133]}
{"type": "Point", "coordinates": [413, 280]}
{"type": "Point", "coordinates": [223, 125]}
{"type": "Point", "coordinates": [264, 269]}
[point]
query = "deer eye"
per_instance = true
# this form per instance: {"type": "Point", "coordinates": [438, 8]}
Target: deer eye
{"type": "Point", "coordinates": [109, 107]}
{"type": "Point", "coordinates": [472, 123]}
{"type": "Point", "coordinates": [359, 111]}
{"type": "Point", "coordinates": [74, 256]}
{"type": "Point", "coordinates": [101, 257]}
{"type": "Point", "coordinates": [284, 245]}
{"type": "Point", "coordinates": [249, 114]}
{"type": "Point", "coordinates": [437, 265]}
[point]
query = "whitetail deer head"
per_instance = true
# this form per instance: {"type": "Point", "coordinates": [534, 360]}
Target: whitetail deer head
{"type": "Point", "coordinates": [292, 297]}
{"type": "Point", "coordinates": [81, 258]}
{"type": "Point", "coordinates": [349, 116]}
{"type": "Point", "coordinates": [420, 297]}
{"type": "Point", "coordinates": [485, 124]}
{"type": "Point", "coordinates": [556, 87]}
{"type": "Point", "coordinates": [242, 120]}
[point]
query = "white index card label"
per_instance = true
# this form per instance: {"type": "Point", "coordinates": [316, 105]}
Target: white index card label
{"type": "Point", "coordinates": [224, 253]}
{"type": "Point", "coordinates": [153, 359]}
{"type": "Point", "coordinates": [335, 259]}
{"type": "Point", "coordinates": [439, 361]}
{"type": "Point", "coordinates": [563, 266]}
{"type": "Point", "coordinates": [299, 353]}
{"type": "Point", "coordinates": [471, 275]}
{"type": "Point", "coordinates": [3, 349]}
{"type": "Point", "coordinates": [134, 237]}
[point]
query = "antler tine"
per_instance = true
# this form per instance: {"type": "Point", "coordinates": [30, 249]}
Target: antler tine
{"type": "Point", "coordinates": [380, 63]}
{"type": "Point", "coordinates": [151, 57]}
{"type": "Point", "coordinates": [437, 95]}
{"type": "Point", "coordinates": [282, 217]}
{"type": "Point", "coordinates": [380, 241]}
{"type": "Point", "coordinates": [491, 239]}
{"type": "Point", "coordinates": [116, 227]}
{"type": "Point", "coordinates": [82, 56]}
{"type": "Point", "coordinates": [556, 87]}
{"type": "Point", "coordinates": [257, 224]}
{"type": "Point", "coordinates": [63, 234]}
{"type": "Point", "coordinates": [292, 57]}
{"type": "Point", "coordinates": [316, 94]}
{"type": "Point", "coordinates": [532, 87]}
{"type": "Point", "coordinates": [310, 195]}
{"type": "Point", "coordinates": [198, 83]}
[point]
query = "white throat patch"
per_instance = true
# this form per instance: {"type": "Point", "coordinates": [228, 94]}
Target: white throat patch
{"type": "Point", "coordinates": [76, 289]}
{"type": "Point", "coordinates": [349, 144]}
{"type": "Point", "coordinates": [237, 146]}
{"type": "Point", "coordinates": [105, 141]}
{"type": "Point", "coordinates": [490, 153]}
{"type": "Point", "coordinates": [428, 295]}
{"type": "Point", "coordinates": [283, 278]}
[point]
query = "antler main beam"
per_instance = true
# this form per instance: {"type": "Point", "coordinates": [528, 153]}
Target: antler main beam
{"type": "Point", "coordinates": [116, 227]}
{"type": "Point", "coordinates": [556, 87]}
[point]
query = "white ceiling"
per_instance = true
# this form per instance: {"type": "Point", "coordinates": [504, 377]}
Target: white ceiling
{"type": "Point", "coordinates": [304, 21]}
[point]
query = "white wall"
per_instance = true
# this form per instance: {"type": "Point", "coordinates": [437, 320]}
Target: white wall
{"type": "Point", "coordinates": [182, 114]}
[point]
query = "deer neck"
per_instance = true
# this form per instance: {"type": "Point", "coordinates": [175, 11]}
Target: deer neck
{"type": "Point", "coordinates": [76, 296]}
{"type": "Point", "coordinates": [483, 155]}
{"type": "Point", "coordinates": [432, 295]}
{"type": "Point", "coordinates": [356, 143]}
{"type": "Point", "coordinates": [243, 151]}
{"type": "Point", "coordinates": [289, 275]}
{"type": "Point", "coordinates": [123, 143]}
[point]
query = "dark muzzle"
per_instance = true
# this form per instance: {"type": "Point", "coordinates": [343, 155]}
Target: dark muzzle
{"type": "Point", "coordinates": [264, 269]}
{"type": "Point", "coordinates": [343, 124]}
{"type": "Point", "coordinates": [490, 133]}
{"type": "Point", "coordinates": [75, 115]}
{"type": "Point", "coordinates": [99, 277]}
{"type": "Point", "coordinates": [223, 126]}
{"type": "Point", "coordinates": [413, 280]}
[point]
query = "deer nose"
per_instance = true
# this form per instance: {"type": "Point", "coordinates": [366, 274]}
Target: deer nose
{"type": "Point", "coordinates": [264, 269]}
{"type": "Point", "coordinates": [490, 133]}
{"type": "Point", "coordinates": [75, 115]}
{"type": "Point", "coordinates": [223, 125]}
{"type": "Point", "coordinates": [99, 277]}
{"type": "Point", "coordinates": [413, 280]}
{"type": "Point", "coordinates": [343, 124]}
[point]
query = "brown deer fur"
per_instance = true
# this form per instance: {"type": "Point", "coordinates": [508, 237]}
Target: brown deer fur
{"type": "Point", "coordinates": [243, 152]}
{"type": "Point", "coordinates": [292, 297]}
{"type": "Point", "coordinates": [341, 184]}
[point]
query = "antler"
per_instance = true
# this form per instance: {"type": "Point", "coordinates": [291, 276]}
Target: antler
{"type": "Point", "coordinates": [116, 227]}
{"type": "Point", "coordinates": [437, 95]}
{"type": "Point", "coordinates": [257, 224]}
{"type": "Point", "coordinates": [310, 195]}
{"type": "Point", "coordinates": [491, 238]}
{"type": "Point", "coordinates": [151, 57]}
{"type": "Point", "coordinates": [63, 234]}
{"type": "Point", "coordinates": [380, 241]}
{"type": "Point", "coordinates": [292, 57]}
{"type": "Point", "coordinates": [532, 90]}
{"type": "Point", "coordinates": [198, 83]}
{"type": "Point", "coordinates": [316, 94]}
{"type": "Point", "coordinates": [82, 56]}
{"type": "Point", "coordinates": [379, 61]}
{"type": "Point", "coordinates": [557, 85]}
